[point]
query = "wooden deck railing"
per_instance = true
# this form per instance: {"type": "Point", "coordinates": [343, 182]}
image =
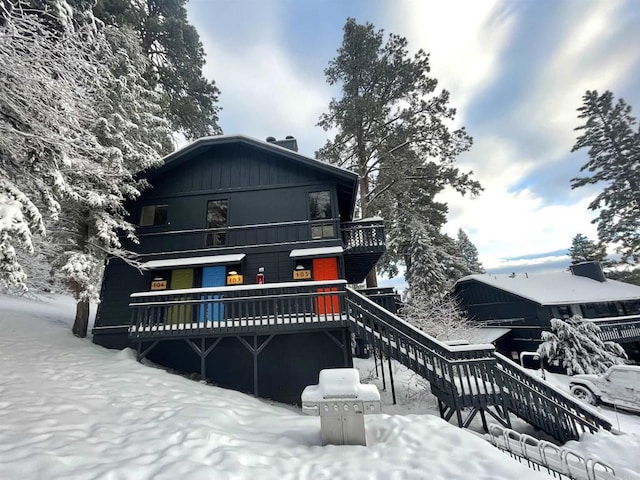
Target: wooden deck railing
{"type": "Point", "coordinates": [161, 239]}
{"type": "Point", "coordinates": [466, 376]}
{"type": "Point", "coordinates": [236, 309]}
{"type": "Point", "coordinates": [619, 330]}
{"type": "Point", "coordinates": [462, 373]}
{"type": "Point", "coordinates": [358, 237]}
{"type": "Point", "coordinates": [363, 236]}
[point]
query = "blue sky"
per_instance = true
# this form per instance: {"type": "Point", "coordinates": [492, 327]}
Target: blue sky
{"type": "Point", "coordinates": [516, 71]}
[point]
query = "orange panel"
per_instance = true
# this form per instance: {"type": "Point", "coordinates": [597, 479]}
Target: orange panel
{"type": "Point", "coordinates": [326, 269]}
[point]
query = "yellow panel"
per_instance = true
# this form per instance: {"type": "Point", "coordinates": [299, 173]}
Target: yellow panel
{"type": "Point", "coordinates": [181, 278]}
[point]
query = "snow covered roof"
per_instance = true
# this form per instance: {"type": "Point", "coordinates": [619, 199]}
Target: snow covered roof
{"type": "Point", "coordinates": [559, 288]}
{"type": "Point", "coordinates": [315, 252]}
{"type": "Point", "coordinates": [188, 261]}
{"type": "Point", "coordinates": [487, 334]}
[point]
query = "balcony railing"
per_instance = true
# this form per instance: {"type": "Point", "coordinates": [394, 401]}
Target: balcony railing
{"type": "Point", "coordinates": [236, 310]}
{"type": "Point", "coordinates": [619, 330]}
{"type": "Point", "coordinates": [358, 237]}
{"type": "Point", "coordinates": [365, 236]}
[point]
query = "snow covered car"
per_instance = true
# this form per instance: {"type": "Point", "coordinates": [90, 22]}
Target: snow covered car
{"type": "Point", "coordinates": [619, 386]}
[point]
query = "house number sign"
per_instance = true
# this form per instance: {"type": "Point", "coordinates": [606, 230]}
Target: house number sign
{"type": "Point", "coordinates": [159, 285]}
{"type": "Point", "coordinates": [302, 274]}
{"type": "Point", "coordinates": [235, 279]}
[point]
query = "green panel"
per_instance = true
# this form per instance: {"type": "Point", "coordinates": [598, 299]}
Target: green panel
{"type": "Point", "coordinates": [182, 278]}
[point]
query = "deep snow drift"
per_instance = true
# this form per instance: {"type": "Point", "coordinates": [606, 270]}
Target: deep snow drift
{"type": "Point", "coordinates": [73, 410]}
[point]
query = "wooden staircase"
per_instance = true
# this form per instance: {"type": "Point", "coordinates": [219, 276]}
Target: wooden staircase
{"type": "Point", "coordinates": [472, 379]}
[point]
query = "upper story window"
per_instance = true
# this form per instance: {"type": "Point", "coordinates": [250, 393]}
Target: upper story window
{"type": "Point", "coordinates": [217, 217]}
{"type": "Point", "coordinates": [154, 215]}
{"type": "Point", "coordinates": [320, 209]}
{"type": "Point", "coordinates": [320, 205]}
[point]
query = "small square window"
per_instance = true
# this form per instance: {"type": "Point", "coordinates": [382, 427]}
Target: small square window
{"type": "Point", "coordinates": [320, 205]}
{"type": "Point", "coordinates": [154, 215]}
{"type": "Point", "coordinates": [216, 238]}
{"type": "Point", "coordinates": [322, 231]}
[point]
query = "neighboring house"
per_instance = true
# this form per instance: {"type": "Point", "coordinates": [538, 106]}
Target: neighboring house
{"type": "Point", "coordinates": [518, 307]}
{"type": "Point", "coordinates": [246, 248]}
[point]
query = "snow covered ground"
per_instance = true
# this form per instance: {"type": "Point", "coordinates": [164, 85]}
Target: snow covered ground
{"type": "Point", "coordinates": [73, 410]}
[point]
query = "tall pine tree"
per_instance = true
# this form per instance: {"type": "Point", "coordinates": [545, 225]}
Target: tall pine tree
{"type": "Point", "coordinates": [611, 135]}
{"type": "Point", "coordinates": [176, 59]}
{"type": "Point", "coordinates": [394, 129]}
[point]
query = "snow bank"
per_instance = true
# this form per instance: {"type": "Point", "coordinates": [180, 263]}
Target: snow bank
{"type": "Point", "coordinates": [73, 410]}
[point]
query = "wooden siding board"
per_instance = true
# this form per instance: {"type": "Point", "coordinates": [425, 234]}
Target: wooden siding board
{"type": "Point", "coordinates": [485, 302]}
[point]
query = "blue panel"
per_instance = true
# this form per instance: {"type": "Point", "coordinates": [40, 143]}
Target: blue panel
{"type": "Point", "coordinates": [213, 277]}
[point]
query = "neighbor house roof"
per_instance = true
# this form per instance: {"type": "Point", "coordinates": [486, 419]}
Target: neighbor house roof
{"type": "Point", "coordinates": [558, 288]}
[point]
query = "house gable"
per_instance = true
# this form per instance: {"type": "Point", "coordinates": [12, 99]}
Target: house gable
{"type": "Point", "coordinates": [238, 163]}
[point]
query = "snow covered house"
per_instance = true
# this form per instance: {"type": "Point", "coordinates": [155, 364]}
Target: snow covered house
{"type": "Point", "coordinates": [518, 307]}
{"type": "Point", "coordinates": [246, 248]}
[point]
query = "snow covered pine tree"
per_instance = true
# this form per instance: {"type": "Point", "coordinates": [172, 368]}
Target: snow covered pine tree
{"type": "Point", "coordinates": [576, 346]}
{"type": "Point", "coordinates": [76, 125]}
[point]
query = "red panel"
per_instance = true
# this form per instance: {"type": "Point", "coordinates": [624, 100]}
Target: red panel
{"type": "Point", "coordinates": [326, 269]}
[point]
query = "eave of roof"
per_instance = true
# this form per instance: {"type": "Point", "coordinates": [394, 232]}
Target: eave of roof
{"type": "Point", "coordinates": [560, 288]}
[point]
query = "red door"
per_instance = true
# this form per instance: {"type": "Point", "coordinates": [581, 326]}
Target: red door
{"type": "Point", "coordinates": [326, 269]}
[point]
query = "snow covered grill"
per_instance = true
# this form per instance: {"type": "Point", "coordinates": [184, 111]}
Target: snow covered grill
{"type": "Point", "coordinates": [341, 401]}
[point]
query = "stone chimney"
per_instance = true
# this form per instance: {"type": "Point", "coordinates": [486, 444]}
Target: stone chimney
{"type": "Point", "coordinates": [592, 270]}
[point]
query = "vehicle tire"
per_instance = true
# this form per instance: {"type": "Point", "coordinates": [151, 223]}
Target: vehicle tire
{"type": "Point", "coordinates": [584, 394]}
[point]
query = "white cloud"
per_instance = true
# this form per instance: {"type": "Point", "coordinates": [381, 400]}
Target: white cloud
{"type": "Point", "coordinates": [578, 64]}
{"type": "Point", "coordinates": [264, 93]}
{"type": "Point", "coordinates": [509, 224]}
{"type": "Point", "coordinates": [465, 41]}
{"type": "Point", "coordinates": [503, 223]}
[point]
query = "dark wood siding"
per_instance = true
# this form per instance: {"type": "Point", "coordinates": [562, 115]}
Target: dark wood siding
{"type": "Point", "coordinates": [287, 364]}
{"type": "Point", "coordinates": [118, 282]}
{"type": "Point", "coordinates": [484, 302]}
{"type": "Point", "coordinates": [228, 167]}
{"type": "Point", "coordinates": [268, 216]}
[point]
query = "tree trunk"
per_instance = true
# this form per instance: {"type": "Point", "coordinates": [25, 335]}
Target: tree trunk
{"type": "Point", "coordinates": [81, 323]}
{"type": "Point", "coordinates": [372, 279]}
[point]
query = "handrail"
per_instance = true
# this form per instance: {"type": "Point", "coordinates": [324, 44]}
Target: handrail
{"type": "Point", "coordinates": [237, 288]}
{"type": "Point", "coordinates": [617, 329]}
{"type": "Point", "coordinates": [545, 406]}
{"type": "Point", "coordinates": [229, 310]}
{"type": "Point", "coordinates": [473, 375]}
{"type": "Point", "coordinates": [463, 373]}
